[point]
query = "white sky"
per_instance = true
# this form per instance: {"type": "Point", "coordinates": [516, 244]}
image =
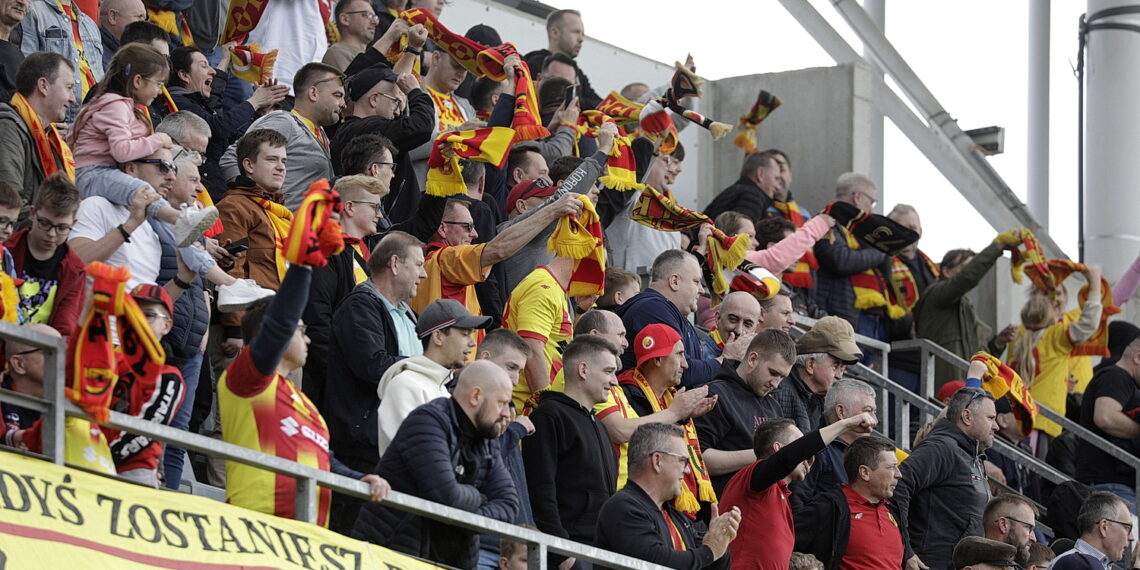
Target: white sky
{"type": "Point", "coordinates": [972, 54]}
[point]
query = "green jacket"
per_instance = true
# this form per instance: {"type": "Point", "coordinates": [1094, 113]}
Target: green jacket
{"type": "Point", "coordinates": [945, 316]}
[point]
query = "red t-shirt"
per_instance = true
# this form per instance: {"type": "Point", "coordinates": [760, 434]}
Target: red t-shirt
{"type": "Point", "coordinates": [875, 542]}
{"type": "Point", "coordinates": [767, 535]}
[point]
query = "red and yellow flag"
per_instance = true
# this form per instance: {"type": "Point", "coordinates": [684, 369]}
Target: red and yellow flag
{"type": "Point", "coordinates": [445, 176]}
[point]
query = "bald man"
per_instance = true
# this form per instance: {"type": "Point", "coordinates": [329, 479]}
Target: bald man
{"type": "Point", "coordinates": [419, 461]}
{"type": "Point", "coordinates": [114, 17]}
{"type": "Point", "coordinates": [737, 315]}
{"type": "Point", "coordinates": [25, 375]}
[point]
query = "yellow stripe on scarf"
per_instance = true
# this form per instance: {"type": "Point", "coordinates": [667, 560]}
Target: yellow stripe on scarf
{"type": "Point", "coordinates": [280, 219]}
{"type": "Point", "coordinates": [581, 238]}
{"type": "Point", "coordinates": [687, 501]}
{"type": "Point", "coordinates": [871, 290]}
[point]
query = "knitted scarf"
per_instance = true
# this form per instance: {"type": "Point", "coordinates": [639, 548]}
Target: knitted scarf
{"type": "Point", "coordinates": [280, 219]}
{"type": "Point", "coordinates": [1002, 381]}
{"type": "Point", "coordinates": [47, 141]}
{"type": "Point", "coordinates": [247, 61]}
{"type": "Point", "coordinates": [621, 167]}
{"type": "Point", "coordinates": [86, 75]}
{"type": "Point", "coordinates": [93, 366]}
{"type": "Point", "coordinates": [621, 110]}
{"type": "Point", "coordinates": [1057, 271]}
{"type": "Point", "coordinates": [799, 275]}
{"type": "Point", "coordinates": [660, 212]}
{"type": "Point", "coordinates": [871, 290]}
{"type": "Point", "coordinates": [313, 237]}
{"type": "Point", "coordinates": [715, 334]}
{"type": "Point", "coordinates": [171, 22]}
{"type": "Point", "coordinates": [750, 121]}
{"type": "Point", "coordinates": [1029, 252]}
{"type": "Point", "coordinates": [445, 176]}
{"type": "Point", "coordinates": [903, 284]}
{"type": "Point", "coordinates": [697, 483]}
{"type": "Point", "coordinates": [581, 238]}
{"type": "Point", "coordinates": [526, 117]}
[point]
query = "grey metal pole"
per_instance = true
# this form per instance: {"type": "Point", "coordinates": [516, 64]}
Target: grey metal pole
{"type": "Point", "coordinates": [1037, 179]}
{"type": "Point", "coordinates": [877, 9]}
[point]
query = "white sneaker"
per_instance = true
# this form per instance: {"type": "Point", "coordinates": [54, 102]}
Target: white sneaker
{"type": "Point", "coordinates": [243, 293]}
{"type": "Point", "coordinates": [192, 222]}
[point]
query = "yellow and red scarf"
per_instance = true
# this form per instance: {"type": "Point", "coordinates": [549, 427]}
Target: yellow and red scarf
{"type": "Point", "coordinates": [526, 119]}
{"type": "Point", "coordinates": [86, 76]}
{"type": "Point", "coordinates": [871, 289]}
{"type": "Point", "coordinates": [750, 121]}
{"type": "Point", "coordinates": [446, 109]}
{"type": "Point", "coordinates": [281, 220]}
{"type": "Point", "coordinates": [445, 176]}
{"type": "Point", "coordinates": [173, 23]}
{"type": "Point", "coordinates": [48, 142]}
{"type": "Point", "coordinates": [1002, 381]}
{"type": "Point", "coordinates": [903, 284]}
{"type": "Point", "coordinates": [247, 61]}
{"type": "Point", "coordinates": [660, 212]}
{"type": "Point", "coordinates": [1057, 271]}
{"type": "Point", "coordinates": [314, 129]}
{"type": "Point", "coordinates": [313, 236]}
{"type": "Point", "coordinates": [621, 110]}
{"type": "Point", "coordinates": [621, 167]}
{"type": "Point", "coordinates": [581, 238]}
{"type": "Point", "coordinates": [92, 370]}
{"type": "Point", "coordinates": [697, 482]}
{"type": "Point", "coordinates": [799, 275]}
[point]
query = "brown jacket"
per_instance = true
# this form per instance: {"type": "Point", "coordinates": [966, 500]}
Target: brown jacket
{"type": "Point", "coordinates": [243, 217]}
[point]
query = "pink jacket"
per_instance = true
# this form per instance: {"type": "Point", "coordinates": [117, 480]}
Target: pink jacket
{"type": "Point", "coordinates": [781, 255]}
{"type": "Point", "coordinates": [111, 134]}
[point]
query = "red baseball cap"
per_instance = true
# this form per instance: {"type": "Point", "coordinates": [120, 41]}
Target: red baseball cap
{"type": "Point", "coordinates": [948, 390]}
{"type": "Point", "coordinates": [151, 293]}
{"type": "Point", "coordinates": [654, 341]}
{"type": "Point", "coordinates": [528, 189]}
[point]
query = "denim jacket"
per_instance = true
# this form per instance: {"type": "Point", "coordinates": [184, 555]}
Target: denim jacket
{"type": "Point", "coordinates": [47, 28]}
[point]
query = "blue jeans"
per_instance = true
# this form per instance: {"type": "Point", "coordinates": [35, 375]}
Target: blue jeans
{"type": "Point", "coordinates": [1125, 492]}
{"type": "Point", "coordinates": [175, 457]}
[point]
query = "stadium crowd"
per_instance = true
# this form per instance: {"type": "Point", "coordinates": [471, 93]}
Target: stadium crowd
{"type": "Point", "coordinates": [449, 269]}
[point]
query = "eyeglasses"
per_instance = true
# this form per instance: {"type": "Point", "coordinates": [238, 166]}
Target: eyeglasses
{"type": "Point", "coordinates": [374, 205]}
{"type": "Point", "coordinates": [467, 226]}
{"type": "Point", "coordinates": [383, 163]}
{"type": "Point", "coordinates": [160, 84]}
{"type": "Point", "coordinates": [869, 197]}
{"type": "Point", "coordinates": [682, 459]}
{"type": "Point", "coordinates": [7, 223]}
{"type": "Point", "coordinates": [302, 327]}
{"type": "Point", "coordinates": [164, 166]}
{"type": "Point", "coordinates": [399, 103]}
{"type": "Point", "coordinates": [191, 155]}
{"type": "Point", "coordinates": [29, 351]}
{"type": "Point", "coordinates": [154, 315]}
{"type": "Point", "coordinates": [1027, 525]}
{"type": "Point", "coordinates": [369, 14]}
{"type": "Point", "coordinates": [47, 227]}
{"type": "Point", "coordinates": [1127, 526]}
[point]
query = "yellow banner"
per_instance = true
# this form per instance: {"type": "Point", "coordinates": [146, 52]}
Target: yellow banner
{"type": "Point", "coordinates": [55, 517]}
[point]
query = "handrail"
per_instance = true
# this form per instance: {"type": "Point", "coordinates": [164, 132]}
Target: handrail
{"type": "Point", "coordinates": [861, 340]}
{"type": "Point", "coordinates": [55, 407]}
{"type": "Point", "coordinates": [931, 349]}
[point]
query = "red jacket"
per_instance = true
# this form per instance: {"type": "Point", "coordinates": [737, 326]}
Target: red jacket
{"type": "Point", "coordinates": [71, 288]}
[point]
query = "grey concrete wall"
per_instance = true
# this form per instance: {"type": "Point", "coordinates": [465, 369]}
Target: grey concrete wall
{"type": "Point", "coordinates": [823, 126]}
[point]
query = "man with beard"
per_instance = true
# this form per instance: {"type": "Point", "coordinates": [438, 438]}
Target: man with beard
{"type": "Point", "coordinates": [445, 452]}
{"type": "Point", "coordinates": [850, 526]}
{"type": "Point", "coordinates": [1011, 519]}
{"type": "Point", "coordinates": [943, 492]}
{"type": "Point", "coordinates": [639, 520]}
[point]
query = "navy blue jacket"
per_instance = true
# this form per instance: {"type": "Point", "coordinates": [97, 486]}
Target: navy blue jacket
{"type": "Point", "coordinates": [438, 455]}
{"type": "Point", "coordinates": [649, 307]}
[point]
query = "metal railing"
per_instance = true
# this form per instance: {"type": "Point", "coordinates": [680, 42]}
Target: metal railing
{"type": "Point", "coordinates": [54, 407]}
{"type": "Point", "coordinates": [931, 351]}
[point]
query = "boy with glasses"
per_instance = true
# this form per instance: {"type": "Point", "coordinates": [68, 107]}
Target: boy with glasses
{"type": "Point", "coordinates": [53, 277]}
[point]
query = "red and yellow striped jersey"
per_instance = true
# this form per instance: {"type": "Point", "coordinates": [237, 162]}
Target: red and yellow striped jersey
{"type": "Point", "coordinates": [538, 308]}
{"type": "Point", "coordinates": [269, 414]}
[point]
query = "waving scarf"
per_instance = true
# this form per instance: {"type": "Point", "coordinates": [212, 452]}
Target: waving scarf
{"type": "Point", "coordinates": [903, 284]}
{"type": "Point", "coordinates": [1002, 381]}
{"type": "Point", "coordinates": [93, 366]}
{"type": "Point", "coordinates": [445, 176]}
{"type": "Point", "coordinates": [48, 142]}
{"type": "Point", "coordinates": [871, 289]}
{"type": "Point", "coordinates": [750, 121]}
{"type": "Point", "coordinates": [697, 483]}
{"type": "Point", "coordinates": [1057, 270]}
{"type": "Point", "coordinates": [313, 237]}
{"type": "Point", "coordinates": [621, 167]}
{"type": "Point", "coordinates": [581, 238]}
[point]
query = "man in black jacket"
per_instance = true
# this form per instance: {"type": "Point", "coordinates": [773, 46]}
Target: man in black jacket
{"type": "Point", "coordinates": [826, 527]}
{"type": "Point", "coordinates": [379, 100]}
{"type": "Point", "coordinates": [744, 401]}
{"type": "Point", "coordinates": [445, 451]}
{"type": "Point", "coordinates": [839, 263]}
{"type": "Point", "coordinates": [633, 521]}
{"type": "Point", "coordinates": [846, 398]}
{"type": "Point", "coordinates": [371, 329]}
{"type": "Point", "coordinates": [752, 194]}
{"type": "Point", "coordinates": [943, 492]}
{"type": "Point", "coordinates": [571, 467]}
